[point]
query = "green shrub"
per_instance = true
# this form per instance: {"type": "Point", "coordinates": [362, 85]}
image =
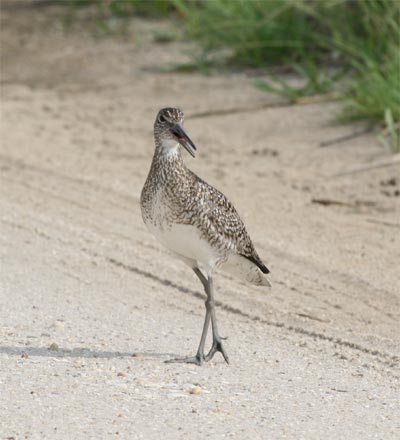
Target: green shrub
{"type": "Point", "coordinates": [360, 37]}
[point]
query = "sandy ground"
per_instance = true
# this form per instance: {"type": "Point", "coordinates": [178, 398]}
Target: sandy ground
{"type": "Point", "coordinates": [91, 305]}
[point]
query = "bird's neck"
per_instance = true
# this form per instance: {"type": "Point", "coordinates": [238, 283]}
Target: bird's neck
{"type": "Point", "coordinates": [167, 159]}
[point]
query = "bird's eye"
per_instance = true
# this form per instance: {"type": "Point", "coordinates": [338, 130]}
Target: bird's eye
{"type": "Point", "coordinates": [161, 118]}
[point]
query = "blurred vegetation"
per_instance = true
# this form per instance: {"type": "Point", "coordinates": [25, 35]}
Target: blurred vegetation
{"type": "Point", "coordinates": [123, 8]}
{"type": "Point", "coordinates": [353, 44]}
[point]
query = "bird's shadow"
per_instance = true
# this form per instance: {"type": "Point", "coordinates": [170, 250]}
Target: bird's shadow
{"type": "Point", "coordinates": [81, 352]}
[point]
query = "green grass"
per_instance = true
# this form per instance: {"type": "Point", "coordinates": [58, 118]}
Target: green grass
{"type": "Point", "coordinates": [152, 8]}
{"type": "Point", "coordinates": [358, 39]}
{"type": "Point", "coordinates": [351, 43]}
{"type": "Point", "coordinates": [143, 7]}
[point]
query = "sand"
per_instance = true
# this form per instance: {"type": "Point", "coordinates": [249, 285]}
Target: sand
{"type": "Point", "coordinates": [91, 305]}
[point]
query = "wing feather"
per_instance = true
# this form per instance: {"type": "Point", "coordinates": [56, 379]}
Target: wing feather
{"type": "Point", "coordinates": [219, 221]}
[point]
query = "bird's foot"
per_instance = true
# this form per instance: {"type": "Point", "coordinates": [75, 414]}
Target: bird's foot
{"type": "Point", "coordinates": [217, 346]}
{"type": "Point", "coordinates": [197, 360]}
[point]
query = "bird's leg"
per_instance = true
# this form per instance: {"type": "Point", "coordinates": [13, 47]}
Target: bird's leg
{"type": "Point", "coordinates": [217, 340]}
{"type": "Point", "coordinates": [201, 277]}
{"type": "Point", "coordinates": [199, 358]}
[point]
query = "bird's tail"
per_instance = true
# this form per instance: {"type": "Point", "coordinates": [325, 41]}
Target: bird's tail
{"type": "Point", "coordinates": [242, 268]}
{"type": "Point", "coordinates": [258, 278]}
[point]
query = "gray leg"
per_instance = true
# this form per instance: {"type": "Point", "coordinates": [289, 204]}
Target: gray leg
{"type": "Point", "coordinates": [217, 340]}
{"type": "Point", "coordinates": [199, 358]}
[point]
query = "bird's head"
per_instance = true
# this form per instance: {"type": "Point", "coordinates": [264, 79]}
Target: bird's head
{"type": "Point", "coordinates": [169, 132]}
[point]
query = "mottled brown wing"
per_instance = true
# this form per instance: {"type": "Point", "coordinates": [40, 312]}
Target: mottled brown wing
{"type": "Point", "coordinates": [219, 221]}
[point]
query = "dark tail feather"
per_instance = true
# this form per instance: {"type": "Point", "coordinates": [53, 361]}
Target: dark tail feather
{"type": "Point", "coordinates": [257, 262]}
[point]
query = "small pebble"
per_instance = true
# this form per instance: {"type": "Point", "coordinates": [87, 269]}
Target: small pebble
{"type": "Point", "coordinates": [195, 390]}
{"type": "Point", "coordinates": [53, 347]}
{"type": "Point", "coordinates": [59, 325]}
{"type": "Point", "coordinates": [78, 363]}
{"type": "Point", "coordinates": [121, 374]}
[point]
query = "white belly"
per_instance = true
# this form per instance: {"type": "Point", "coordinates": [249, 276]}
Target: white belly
{"type": "Point", "coordinates": [185, 241]}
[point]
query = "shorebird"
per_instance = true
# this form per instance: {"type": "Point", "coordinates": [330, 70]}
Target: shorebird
{"type": "Point", "coordinates": [196, 222]}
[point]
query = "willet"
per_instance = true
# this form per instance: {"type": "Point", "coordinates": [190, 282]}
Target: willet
{"type": "Point", "coordinates": [196, 222]}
